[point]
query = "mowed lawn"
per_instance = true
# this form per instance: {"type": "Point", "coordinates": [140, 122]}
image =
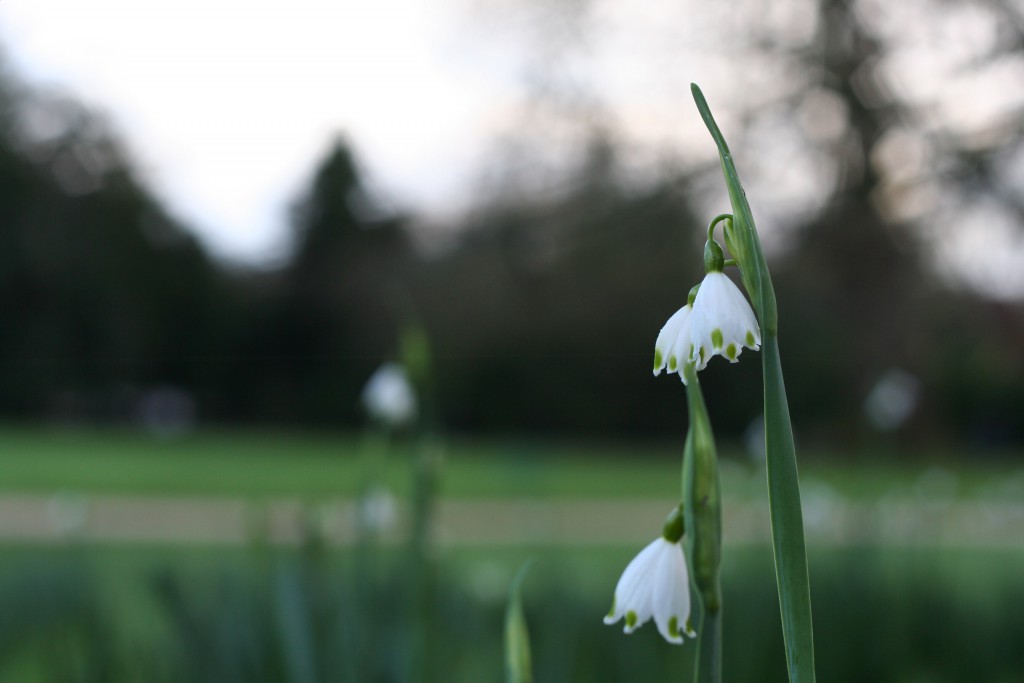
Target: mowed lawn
{"type": "Point", "coordinates": [316, 466]}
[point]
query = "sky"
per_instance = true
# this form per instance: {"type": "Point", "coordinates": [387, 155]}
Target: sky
{"type": "Point", "coordinates": [227, 106]}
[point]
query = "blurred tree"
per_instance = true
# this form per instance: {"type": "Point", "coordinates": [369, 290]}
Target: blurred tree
{"type": "Point", "coordinates": [330, 316]}
{"type": "Point", "coordinates": [868, 175]}
{"type": "Point", "coordinates": [860, 286]}
{"type": "Point", "coordinates": [102, 292]}
{"type": "Point", "coordinates": [545, 314]}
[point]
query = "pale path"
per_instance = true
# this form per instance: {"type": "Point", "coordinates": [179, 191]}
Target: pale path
{"type": "Point", "coordinates": [35, 518]}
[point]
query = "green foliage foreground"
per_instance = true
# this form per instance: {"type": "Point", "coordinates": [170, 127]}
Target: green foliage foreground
{"type": "Point", "coordinates": [260, 615]}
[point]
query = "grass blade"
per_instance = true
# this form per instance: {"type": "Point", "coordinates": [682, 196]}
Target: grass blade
{"type": "Point", "coordinates": [518, 668]}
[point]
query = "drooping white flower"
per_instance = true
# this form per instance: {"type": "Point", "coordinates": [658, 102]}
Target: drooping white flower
{"type": "Point", "coordinates": [655, 584]}
{"type": "Point", "coordinates": [388, 396]}
{"type": "Point", "coordinates": [672, 346]}
{"type": "Point", "coordinates": [722, 322]}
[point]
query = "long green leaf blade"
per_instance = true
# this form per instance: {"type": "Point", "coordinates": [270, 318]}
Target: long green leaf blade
{"type": "Point", "coordinates": [787, 520]}
{"type": "Point", "coordinates": [783, 480]}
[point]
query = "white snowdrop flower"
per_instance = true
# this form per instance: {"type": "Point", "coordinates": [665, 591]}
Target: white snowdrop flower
{"type": "Point", "coordinates": [722, 322]}
{"type": "Point", "coordinates": [656, 584]}
{"type": "Point", "coordinates": [672, 346]}
{"type": "Point", "coordinates": [388, 396]}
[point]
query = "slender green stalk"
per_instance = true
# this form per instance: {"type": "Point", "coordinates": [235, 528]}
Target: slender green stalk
{"type": "Point", "coordinates": [702, 504]}
{"type": "Point", "coordinates": [783, 481]}
{"type": "Point", "coordinates": [417, 360]}
{"type": "Point", "coordinates": [709, 648]}
{"type": "Point", "coordinates": [518, 668]}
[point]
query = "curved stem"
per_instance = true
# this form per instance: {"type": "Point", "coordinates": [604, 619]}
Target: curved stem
{"type": "Point", "coordinates": [715, 221]}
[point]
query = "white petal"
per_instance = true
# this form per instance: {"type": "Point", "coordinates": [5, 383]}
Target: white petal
{"type": "Point", "coordinates": [675, 327]}
{"type": "Point", "coordinates": [722, 322]}
{"type": "Point", "coordinates": [633, 591]}
{"type": "Point", "coordinates": [681, 352]}
{"type": "Point", "coordinates": [671, 597]}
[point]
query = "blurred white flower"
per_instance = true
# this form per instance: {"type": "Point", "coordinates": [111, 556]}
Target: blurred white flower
{"type": "Point", "coordinates": [377, 510]}
{"type": "Point", "coordinates": [655, 584]}
{"type": "Point", "coordinates": [672, 348]}
{"type": "Point", "coordinates": [388, 396]}
{"type": "Point", "coordinates": [722, 322]}
{"type": "Point", "coordinates": [892, 400]}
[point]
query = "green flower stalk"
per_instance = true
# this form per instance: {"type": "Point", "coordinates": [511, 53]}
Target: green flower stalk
{"type": "Point", "coordinates": [417, 360]}
{"type": "Point", "coordinates": [783, 480]}
{"type": "Point", "coordinates": [702, 495]}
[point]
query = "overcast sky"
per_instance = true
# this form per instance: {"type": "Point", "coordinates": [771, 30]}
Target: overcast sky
{"type": "Point", "coordinates": [227, 105]}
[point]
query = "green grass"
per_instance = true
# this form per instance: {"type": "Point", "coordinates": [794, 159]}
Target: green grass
{"type": "Point", "coordinates": [924, 613]}
{"type": "Point", "coordinates": [257, 464]}
{"type": "Point", "coordinates": [949, 599]}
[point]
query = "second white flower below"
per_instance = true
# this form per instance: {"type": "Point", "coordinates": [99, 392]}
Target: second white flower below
{"type": "Point", "coordinates": [655, 584]}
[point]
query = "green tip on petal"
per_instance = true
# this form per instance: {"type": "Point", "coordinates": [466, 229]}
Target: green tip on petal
{"type": "Point", "coordinates": [657, 359]}
{"type": "Point", "coordinates": [689, 628]}
{"type": "Point", "coordinates": [630, 619]}
{"type": "Point", "coordinates": [692, 295]}
{"type": "Point", "coordinates": [716, 338]}
{"type": "Point", "coordinates": [611, 612]}
{"type": "Point", "coordinates": [673, 627]}
{"type": "Point", "coordinates": [672, 364]}
{"type": "Point", "coordinates": [750, 338]}
{"type": "Point", "coordinates": [730, 352]}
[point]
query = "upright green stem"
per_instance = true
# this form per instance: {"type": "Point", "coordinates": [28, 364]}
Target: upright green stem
{"type": "Point", "coordinates": [709, 648]}
{"type": "Point", "coordinates": [783, 480]}
{"type": "Point", "coordinates": [416, 357]}
{"type": "Point", "coordinates": [702, 502]}
{"type": "Point", "coordinates": [421, 567]}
